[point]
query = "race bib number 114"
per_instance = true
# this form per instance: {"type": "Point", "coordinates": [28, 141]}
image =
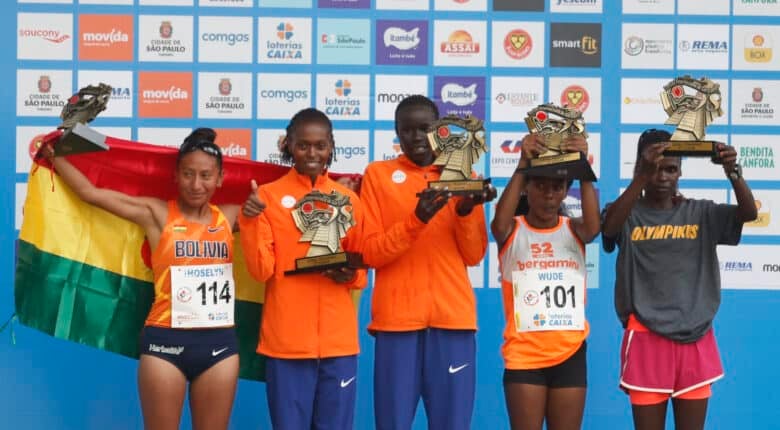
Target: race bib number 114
{"type": "Point", "coordinates": [202, 296]}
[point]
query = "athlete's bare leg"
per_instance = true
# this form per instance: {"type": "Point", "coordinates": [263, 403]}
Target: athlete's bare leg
{"type": "Point", "coordinates": [162, 388]}
{"type": "Point", "coordinates": [212, 393]}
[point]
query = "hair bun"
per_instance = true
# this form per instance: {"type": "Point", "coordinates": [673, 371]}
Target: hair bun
{"type": "Point", "coordinates": [201, 134]}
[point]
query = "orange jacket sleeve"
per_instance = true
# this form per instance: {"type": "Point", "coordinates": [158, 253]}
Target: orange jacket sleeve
{"type": "Point", "coordinates": [380, 246]}
{"type": "Point", "coordinates": [257, 242]}
{"type": "Point", "coordinates": [471, 236]}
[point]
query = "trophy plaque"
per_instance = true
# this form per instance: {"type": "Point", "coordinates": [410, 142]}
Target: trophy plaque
{"type": "Point", "coordinates": [324, 220]}
{"type": "Point", "coordinates": [458, 143]}
{"type": "Point", "coordinates": [692, 105]}
{"type": "Point", "coordinates": [556, 124]}
{"type": "Point", "coordinates": [80, 109]}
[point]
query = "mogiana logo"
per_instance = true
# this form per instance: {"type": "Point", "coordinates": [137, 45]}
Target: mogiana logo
{"type": "Point", "coordinates": [460, 42]}
{"type": "Point", "coordinates": [342, 104]}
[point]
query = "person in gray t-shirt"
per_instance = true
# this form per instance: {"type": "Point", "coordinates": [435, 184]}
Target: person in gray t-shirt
{"type": "Point", "coordinates": [667, 287]}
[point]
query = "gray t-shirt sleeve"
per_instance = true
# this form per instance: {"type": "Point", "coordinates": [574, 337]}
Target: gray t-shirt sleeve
{"type": "Point", "coordinates": [722, 222]}
{"type": "Point", "coordinates": [608, 242]}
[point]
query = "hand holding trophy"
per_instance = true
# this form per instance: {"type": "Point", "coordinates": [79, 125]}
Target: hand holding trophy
{"type": "Point", "coordinates": [692, 105]}
{"type": "Point", "coordinates": [324, 220]}
{"type": "Point", "coordinates": [558, 125]}
{"type": "Point", "coordinates": [82, 108]}
{"type": "Point", "coordinates": [458, 143]}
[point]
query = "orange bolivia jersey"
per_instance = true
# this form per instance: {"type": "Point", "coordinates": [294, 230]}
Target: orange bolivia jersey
{"type": "Point", "coordinates": [421, 276]}
{"type": "Point", "coordinates": [178, 229]}
{"type": "Point", "coordinates": [309, 315]}
{"type": "Point", "coordinates": [539, 349]}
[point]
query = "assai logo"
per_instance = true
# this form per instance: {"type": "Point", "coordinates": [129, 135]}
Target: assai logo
{"type": "Point", "coordinates": [575, 96]}
{"type": "Point", "coordinates": [460, 42]}
{"type": "Point", "coordinates": [225, 87]}
{"type": "Point", "coordinates": [459, 95]}
{"type": "Point", "coordinates": [401, 39]}
{"type": "Point", "coordinates": [738, 266]}
{"type": "Point", "coordinates": [588, 45]}
{"type": "Point", "coordinates": [342, 104]}
{"type": "Point", "coordinates": [704, 46]}
{"type": "Point", "coordinates": [757, 157]}
{"type": "Point", "coordinates": [510, 146]}
{"type": "Point", "coordinates": [758, 48]}
{"type": "Point", "coordinates": [518, 44]}
{"type": "Point", "coordinates": [284, 48]}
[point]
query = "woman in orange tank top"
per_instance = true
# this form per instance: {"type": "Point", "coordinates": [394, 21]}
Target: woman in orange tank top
{"type": "Point", "coordinates": [186, 339]}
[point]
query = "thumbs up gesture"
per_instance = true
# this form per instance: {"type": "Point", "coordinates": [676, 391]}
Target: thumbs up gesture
{"type": "Point", "coordinates": [253, 206]}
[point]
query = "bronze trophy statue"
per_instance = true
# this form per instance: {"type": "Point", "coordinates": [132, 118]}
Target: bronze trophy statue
{"type": "Point", "coordinates": [82, 108]}
{"type": "Point", "coordinates": [458, 143]}
{"type": "Point", "coordinates": [324, 220]}
{"type": "Point", "coordinates": [692, 105]}
{"type": "Point", "coordinates": [556, 124]}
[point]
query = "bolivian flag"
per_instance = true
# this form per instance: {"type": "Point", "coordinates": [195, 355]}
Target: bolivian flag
{"type": "Point", "coordinates": [80, 271]}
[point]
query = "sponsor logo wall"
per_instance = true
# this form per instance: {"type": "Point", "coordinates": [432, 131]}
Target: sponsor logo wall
{"type": "Point", "coordinates": [244, 67]}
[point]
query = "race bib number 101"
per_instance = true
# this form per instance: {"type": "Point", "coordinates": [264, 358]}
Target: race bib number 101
{"type": "Point", "coordinates": [546, 300]}
{"type": "Point", "coordinates": [202, 296]}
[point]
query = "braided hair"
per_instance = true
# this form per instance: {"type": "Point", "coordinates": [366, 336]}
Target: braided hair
{"type": "Point", "coordinates": [306, 116]}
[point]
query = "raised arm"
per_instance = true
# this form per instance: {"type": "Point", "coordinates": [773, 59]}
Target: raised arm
{"type": "Point", "coordinates": [148, 212]}
{"type": "Point", "coordinates": [617, 212]}
{"type": "Point", "coordinates": [504, 220]}
{"type": "Point", "coordinates": [588, 226]}
{"type": "Point", "coordinates": [746, 204]}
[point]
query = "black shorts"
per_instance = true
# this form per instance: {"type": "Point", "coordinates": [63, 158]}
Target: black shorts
{"type": "Point", "coordinates": [571, 373]}
{"type": "Point", "coordinates": [192, 351]}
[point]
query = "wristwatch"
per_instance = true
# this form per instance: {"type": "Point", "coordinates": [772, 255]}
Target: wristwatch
{"type": "Point", "coordinates": [735, 173]}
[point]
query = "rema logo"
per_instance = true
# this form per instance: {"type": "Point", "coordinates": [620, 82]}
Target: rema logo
{"type": "Point", "coordinates": [229, 38]}
{"type": "Point", "coordinates": [288, 95]}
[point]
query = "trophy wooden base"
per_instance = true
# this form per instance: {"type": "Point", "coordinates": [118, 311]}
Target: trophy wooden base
{"type": "Point", "coordinates": [570, 165]}
{"type": "Point", "coordinates": [462, 187]}
{"type": "Point", "coordinates": [692, 148]}
{"type": "Point", "coordinates": [321, 263]}
{"type": "Point", "coordinates": [80, 139]}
